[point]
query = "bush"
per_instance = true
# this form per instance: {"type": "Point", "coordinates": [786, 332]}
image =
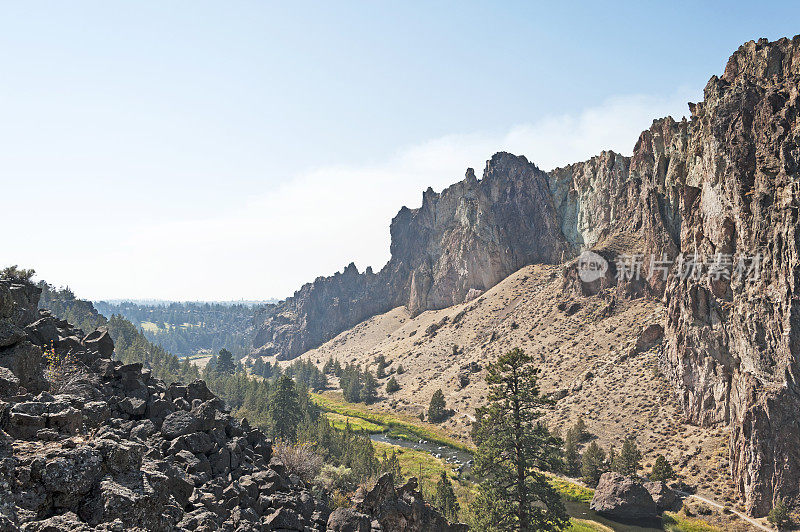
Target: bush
{"type": "Point", "coordinates": [336, 478]}
{"type": "Point", "coordinates": [299, 459]}
{"type": "Point", "coordinates": [662, 470]}
{"type": "Point", "coordinates": [392, 386]}
{"type": "Point", "coordinates": [400, 369]}
{"type": "Point", "coordinates": [65, 374]}
{"type": "Point", "coordinates": [779, 516]}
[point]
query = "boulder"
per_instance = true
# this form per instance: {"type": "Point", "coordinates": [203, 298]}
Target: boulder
{"type": "Point", "coordinates": [348, 520]}
{"type": "Point", "coordinates": [10, 334]}
{"type": "Point", "coordinates": [623, 497]}
{"type": "Point", "coordinates": [25, 361]}
{"type": "Point", "coordinates": [179, 423]}
{"type": "Point", "coordinates": [9, 383]}
{"type": "Point", "coordinates": [99, 340]}
{"type": "Point", "coordinates": [664, 497]}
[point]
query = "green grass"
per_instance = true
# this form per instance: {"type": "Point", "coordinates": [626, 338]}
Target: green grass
{"type": "Point", "coordinates": [356, 423]}
{"type": "Point", "coordinates": [428, 469]}
{"type": "Point", "coordinates": [584, 525]}
{"type": "Point", "coordinates": [677, 523]}
{"type": "Point", "coordinates": [404, 427]}
{"type": "Point", "coordinates": [570, 491]}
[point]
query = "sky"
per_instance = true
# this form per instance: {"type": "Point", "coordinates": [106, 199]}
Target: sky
{"type": "Point", "coordinates": [194, 150]}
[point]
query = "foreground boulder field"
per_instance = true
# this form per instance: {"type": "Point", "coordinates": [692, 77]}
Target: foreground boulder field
{"type": "Point", "coordinates": [108, 447]}
{"type": "Point", "coordinates": [720, 186]}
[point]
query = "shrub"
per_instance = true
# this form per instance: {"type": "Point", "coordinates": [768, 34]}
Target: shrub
{"type": "Point", "coordinates": [299, 459]}
{"type": "Point", "coordinates": [392, 386]}
{"type": "Point", "coordinates": [400, 369]}
{"type": "Point", "coordinates": [662, 470]}
{"type": "Point", "coordinates": [65, 374]}
{"type": "Point", "coordinates": [336, 478]}
{"type": "Point", "coordinates": [779, 515]}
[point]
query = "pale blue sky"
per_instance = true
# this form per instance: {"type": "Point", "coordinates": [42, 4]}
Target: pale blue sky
{"type": "Point", "coordinates": [148, 145]}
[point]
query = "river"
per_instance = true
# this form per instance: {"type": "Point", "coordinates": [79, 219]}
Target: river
{"type": "Point", "coordinates": [463, 462]}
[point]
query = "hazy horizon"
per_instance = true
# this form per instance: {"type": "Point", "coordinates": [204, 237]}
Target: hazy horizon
{"type": "Point", "coordinates": [199, 152]}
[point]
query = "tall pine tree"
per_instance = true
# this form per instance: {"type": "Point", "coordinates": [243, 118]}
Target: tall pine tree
{"type": "Point", "coordinates": [513, 445]}
{"type": "Point", "coordinates": [284, 409]}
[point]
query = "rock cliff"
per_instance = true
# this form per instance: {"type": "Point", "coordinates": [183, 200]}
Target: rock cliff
{"type": "Point", "coordinates": [106, 446]}
{"type": "Point", "coordinates": [466, 238]}
{"type": "Point", "coordinates": [722, 186]}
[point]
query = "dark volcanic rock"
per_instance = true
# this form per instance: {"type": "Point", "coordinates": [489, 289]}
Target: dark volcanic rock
{"type": "Point", "coordinates": [391, 510]}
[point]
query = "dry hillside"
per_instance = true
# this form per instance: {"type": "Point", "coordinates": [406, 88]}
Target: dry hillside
{"type": "Point", "coordinates": [584, 346]}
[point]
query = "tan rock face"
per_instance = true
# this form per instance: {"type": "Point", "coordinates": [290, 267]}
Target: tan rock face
{"type": "Point", "coordinates": [467, 238]}
{"type": "Point", "coordinates": [733, 346]}
{"type": "Point", "coordinates": [725, 182]}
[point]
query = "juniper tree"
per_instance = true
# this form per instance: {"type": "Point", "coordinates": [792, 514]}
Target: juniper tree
{"type": "Point", "coordinates": [437, 411]}
{"type": "Point", "coordinates": [593, 464]}
{"type": "Point", "coordinates": [392, 386]}
{"type": "Point", "coordinates": [284, 409]}
{"type": "Point", "coordinates": [445, 498]}
{"type": "Point", "coordinates": [627, 462]}
{"type": "Point", "coordinates": [513, 446]}
{"type": "Point", "coordinates": [662, 470]}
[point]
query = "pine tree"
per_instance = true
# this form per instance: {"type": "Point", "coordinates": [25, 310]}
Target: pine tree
{"type": "Point", "coordinates": [284, 409]}
{"type": "Point", "coordinates": [225, 363]}
{"type": "Point", "coordinates": [662, 470]}
{"type": "Point", "coordinates": [581, 431]}
{"type": "Point", "coordinates": [779, 515]}
{"type": "Point", "coordinates": [369, 391]}
{"type": "Point", "coordinates": [512, 446]}
{"type": "Point", "coordinates": [437, 410]}
{"type": "Point", "coordinates": [392, 386]}
{"type": "Point", "coordinates": [627, 463]}
{"type": "Point", "coordinates": [258, 366]}
{"type": "Point", "coordinates": [445, 498]}
{"type": "Point", "coordinates": [381, 371]}
{"type": "Point", "coordinates": [593, 464]}
{"type": "Point", "coordinates": [612, 456]}
{"type": "Point", "coordinates": [391, 464]}
{"type": "Point", "coordinates": [572, 458]}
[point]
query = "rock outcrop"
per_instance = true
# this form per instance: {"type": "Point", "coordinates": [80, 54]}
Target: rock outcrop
{"type": "Point", "coordinates": [391, 510]}
{"type": "Point", "coordinates": [623, 497]}
{"type": "Point", "coordinates": [105, 446]}
{"type": "Point", "coordinates": [463, 240]}
{"type": "Point", "coordinates": [108, 447]}
{"type": "Point", "coordinates": [664, 497]}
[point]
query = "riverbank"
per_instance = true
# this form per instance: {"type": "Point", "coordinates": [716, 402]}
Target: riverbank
{"type": "Point", "coordinates": [400, 426]}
